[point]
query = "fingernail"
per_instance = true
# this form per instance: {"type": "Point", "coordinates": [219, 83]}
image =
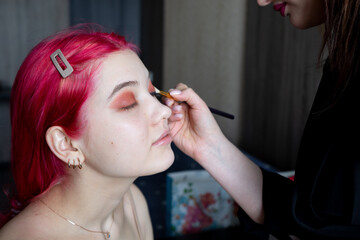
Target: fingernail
{"type": "Point", "coordinates": [178, 115]}
{"type": "Point", "coordinates": [175, 92]}
{"type": "Point", "coordinates": [177, 107]}
{"type": "Point", "coordinates": [168, 102]}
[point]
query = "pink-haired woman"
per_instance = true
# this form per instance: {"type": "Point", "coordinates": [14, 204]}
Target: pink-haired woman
{"type": "Point", "coordinates": [85, 125]}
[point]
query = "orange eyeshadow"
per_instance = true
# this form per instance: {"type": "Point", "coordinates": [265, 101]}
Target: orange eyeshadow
{"type": "Point", "coordinates": [123, 100]}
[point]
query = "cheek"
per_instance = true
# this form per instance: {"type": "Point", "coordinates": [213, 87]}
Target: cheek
{"type": "Point", "coordinates": [127, 136]}
{"type": "Point", "coordinates": [119, 150]}
{"type": "Point", "coordinates": [117, 136]}
{"type": "Point", "coordinates": [306, 13]}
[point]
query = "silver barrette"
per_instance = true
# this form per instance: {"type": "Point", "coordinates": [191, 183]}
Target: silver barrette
{"type": "Point", "coordinates": [64, 72]}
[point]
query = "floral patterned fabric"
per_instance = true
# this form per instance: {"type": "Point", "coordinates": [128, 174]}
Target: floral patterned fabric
{"type": "Point", "coordinates": [196, 202]}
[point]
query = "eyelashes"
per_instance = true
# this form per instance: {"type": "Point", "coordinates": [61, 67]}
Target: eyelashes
{"type": "Point", "coordinates": [158, 96]}
{"type": "Point", "coordinates": [133, 105]}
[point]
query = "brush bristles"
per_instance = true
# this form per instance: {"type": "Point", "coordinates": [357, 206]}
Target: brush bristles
{"type": "Point", "coordinates": [165, 94]}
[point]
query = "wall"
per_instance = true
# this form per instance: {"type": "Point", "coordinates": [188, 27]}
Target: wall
{"type": "Point", "coordinates": [121, 16]}
{"type": "Point", "coordinates": [204, 48]}
{"type": "Point", "coordinates": [24, 23]}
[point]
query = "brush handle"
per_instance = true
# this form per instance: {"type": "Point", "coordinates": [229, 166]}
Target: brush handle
{"type": "Point", "coordinates": [221, 113]}
{"type": "Point", "coordinates": [213, 110]}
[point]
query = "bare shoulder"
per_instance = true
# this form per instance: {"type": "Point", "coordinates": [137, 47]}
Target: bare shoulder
{"type": "Point", "coordinates": [22, 227]}
{"type": "Point", "coordinates": [142, 211]}
{"type": "Point", "coordinates": [29, 224]}
{"type": "Point", "coordinates": [11, 231]}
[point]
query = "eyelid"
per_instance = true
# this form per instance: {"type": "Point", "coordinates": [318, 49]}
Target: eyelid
{"type": "Point", "coordinates": [132, 105]}
{"type": "Point", "coordinates": [124, 101]}
{"type": "Point", "coordinates": [126, 108]}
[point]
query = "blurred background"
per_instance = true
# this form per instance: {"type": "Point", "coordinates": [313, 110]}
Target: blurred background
{"type": "Point", "coordinates": [240, 58]}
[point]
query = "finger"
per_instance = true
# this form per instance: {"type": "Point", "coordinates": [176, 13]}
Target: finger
{"type": "Point", "coordinates": [177, 109]}
{"type": "Point", "coordinates": [176, 117]}
{"type": "Point", "coordinates": [190, 97]}
{"type": "Point", "coordinates": [168, 101]}
{"type": "Point", "coordinates": [181, 86]}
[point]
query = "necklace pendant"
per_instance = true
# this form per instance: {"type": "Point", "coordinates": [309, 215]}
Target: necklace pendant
{"type": "Point", "coordinates": [108, 235]}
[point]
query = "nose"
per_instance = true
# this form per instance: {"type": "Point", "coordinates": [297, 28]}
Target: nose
{"type": "Point", "coordinates": [263, 3]}
{"type": "Point", "coordinates": [160, 112]}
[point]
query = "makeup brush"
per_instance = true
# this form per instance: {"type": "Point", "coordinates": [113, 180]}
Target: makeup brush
{"type": "Point", "coordinates": [213, 110]}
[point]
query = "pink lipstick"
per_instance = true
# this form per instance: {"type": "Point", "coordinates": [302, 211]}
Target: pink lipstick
{"type": "Point", "coordinates": [281, 8]}
{"type": "Point", "coordinates": [164, 139]}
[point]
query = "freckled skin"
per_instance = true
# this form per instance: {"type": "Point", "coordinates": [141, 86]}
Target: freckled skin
{"type": "Point", "coordinates": [129, 121]}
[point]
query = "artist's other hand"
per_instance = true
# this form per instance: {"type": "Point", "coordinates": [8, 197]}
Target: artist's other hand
{"type": "Point", "coordinates": [192, 126]}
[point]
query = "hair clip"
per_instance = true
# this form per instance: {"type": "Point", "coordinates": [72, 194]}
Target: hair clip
{"type": "Point", "coordinates": [63, 72]}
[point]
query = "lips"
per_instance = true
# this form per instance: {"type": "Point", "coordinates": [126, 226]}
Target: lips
{"type": "Point", "coordinates": [164, 139]}
{"type": "Point", "coordinates": [281, 8]}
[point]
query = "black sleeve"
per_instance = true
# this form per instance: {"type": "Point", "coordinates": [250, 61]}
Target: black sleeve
{"type": "Point", "coordinates": [277, 199]}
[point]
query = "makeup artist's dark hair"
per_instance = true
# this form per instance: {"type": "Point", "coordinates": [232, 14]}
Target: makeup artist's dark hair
{"type": "Point", "coordinates": [342, 37]}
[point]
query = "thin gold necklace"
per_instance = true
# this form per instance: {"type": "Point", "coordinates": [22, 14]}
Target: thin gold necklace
{"type": "Point", "coordinates": [107, 234]}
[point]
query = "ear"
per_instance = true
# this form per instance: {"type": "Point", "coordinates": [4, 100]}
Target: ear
{"type": "Point", "coordinates": [61, 145]}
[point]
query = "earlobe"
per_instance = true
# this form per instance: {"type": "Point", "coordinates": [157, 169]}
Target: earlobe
{"type": "Point", "coordinates": [61, 145]}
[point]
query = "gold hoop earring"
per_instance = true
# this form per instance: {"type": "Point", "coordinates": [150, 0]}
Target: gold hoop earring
{"type": "Point", "coordinates": [74, 166]}
{"type": "Point", "coordinates": [80, 166]}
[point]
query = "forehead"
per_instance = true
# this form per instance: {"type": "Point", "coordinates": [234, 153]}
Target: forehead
{"type": "Point", "coordinates": [121, 66]}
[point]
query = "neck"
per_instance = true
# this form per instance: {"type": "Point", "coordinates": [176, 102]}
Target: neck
{"type": "Point", "coordinates": [89, 198]}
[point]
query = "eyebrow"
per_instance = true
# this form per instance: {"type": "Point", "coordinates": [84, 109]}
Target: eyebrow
{"type": "Point", "coordinates": [122, 85]}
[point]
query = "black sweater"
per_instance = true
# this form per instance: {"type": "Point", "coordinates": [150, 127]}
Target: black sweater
{"type": "Point", "coordinates": [324, 200]}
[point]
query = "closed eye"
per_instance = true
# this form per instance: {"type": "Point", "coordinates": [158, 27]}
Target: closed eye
{"type": "Point", "coordinates": [125, 101]}
{"type": "Point", "coordinates": [129, 107]}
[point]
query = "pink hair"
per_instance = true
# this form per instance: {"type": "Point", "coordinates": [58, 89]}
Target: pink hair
{"type": "Point", "coordinates": [41, 98]}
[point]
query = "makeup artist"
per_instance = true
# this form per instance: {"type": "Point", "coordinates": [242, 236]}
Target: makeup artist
{"type": "Point", "coordinates": [324, 200]}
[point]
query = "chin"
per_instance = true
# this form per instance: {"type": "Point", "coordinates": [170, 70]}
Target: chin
{"type": "Point", "coordinates": [168, 160]}
{"type": "Point", "coordinates": [162, 162]}
{"type": "Point", "coordinates": [297, 24]}
{"type": "Point", "coordinates": [305, 24]}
